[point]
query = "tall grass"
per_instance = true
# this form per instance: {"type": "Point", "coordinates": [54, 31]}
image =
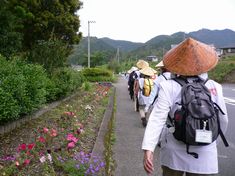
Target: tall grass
{"type": "Point", "coordinates": [224, 71]}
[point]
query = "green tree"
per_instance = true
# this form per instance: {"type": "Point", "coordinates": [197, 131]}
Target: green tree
{"type": "Point", "coordinates": [99, 58]}
{"type": "Point", "coordinates": [43, 19]}
{"type": "Point", "coordinates": [50, 54]}
{"type": "Point", "coordinates": [10, 39]}
{"type": "Point", "coordinates": [114, 65]}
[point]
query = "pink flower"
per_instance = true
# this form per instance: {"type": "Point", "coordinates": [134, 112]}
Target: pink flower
{"type": "Point", "coordinates": [53, 132]}
{"type": "Point", "coordinates": [21, 147]}
{"type": "Point", "coordinates": [71, 145]}
{"type": "Point", "coordinates": [41, 153]}
{"type": "Point", "coordinates": [70, 137]}
{"type": "Point", "coordinates": [75, 139]}
{"type": "Point", "coordinates": [31, 146]}
{"type": "Point", "coordinates": [45, 130]}
{"type": "Point", "coordinates": [26, 162]}
{"type": "Point", "coordinates": [42, 139]}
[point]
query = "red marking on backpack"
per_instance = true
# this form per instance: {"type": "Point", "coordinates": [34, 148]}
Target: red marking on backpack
{"type": "Point", "coordinates": [213, 91]}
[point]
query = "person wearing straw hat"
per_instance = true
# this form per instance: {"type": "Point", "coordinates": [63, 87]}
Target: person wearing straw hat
{"type": "Point", "coordinates": [164, 75]}
{"type": "Point", "coordinates": [189, 59]}
{"type": "Point", "coordinates": [146, 73]}
{"type": "Point", "coordinates": [140, 65]}
{"type": "Point", "coordinates": [131, 81]}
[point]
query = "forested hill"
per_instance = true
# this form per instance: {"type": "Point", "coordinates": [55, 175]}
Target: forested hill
{"type": "Point", "coordinates": [121, 44]}
{"type": "Point", "coordinates": [155, 46]}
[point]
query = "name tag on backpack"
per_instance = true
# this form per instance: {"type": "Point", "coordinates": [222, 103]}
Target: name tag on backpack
{"type": "Point", "coordinates": [203, 136]}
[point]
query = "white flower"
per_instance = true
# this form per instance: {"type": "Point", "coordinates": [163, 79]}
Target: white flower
{"type": "Point", "coordinates": [88, 107]}
{"type": "Point", "coordinates": [49, 157]}
{"type": "Point", "coordinates": [42, 159]}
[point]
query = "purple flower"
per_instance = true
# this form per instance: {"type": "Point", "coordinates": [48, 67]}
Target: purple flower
{"type": "Point", "coordinates": [8, 158]}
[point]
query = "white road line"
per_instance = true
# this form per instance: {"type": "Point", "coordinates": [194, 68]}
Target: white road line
{"type": "Point", "coordinates": [223, 156]}
{"type": "Point", "coordinates": [229, 101]}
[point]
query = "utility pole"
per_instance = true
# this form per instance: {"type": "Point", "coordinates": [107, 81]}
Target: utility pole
{"type": "Point", "coordinates": [163, 51]}
{"type": "Point", "coordinates": [117, 55]}
{"type": "Point", "coordinates": [88, 43]}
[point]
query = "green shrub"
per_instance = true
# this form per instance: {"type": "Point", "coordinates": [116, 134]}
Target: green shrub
{"type": "Point", "coordinates": [9, 109]}
{"type": "Point", "coordinates": [36, 84]}
{"type": "Point", "coordinates": [52, 91]}
{"type": "Point", "coordinates": [14, 83]}
{"type": "Point", "coordinates": [223, 69]}
{"type": "Point", "coordinates": [114, 66]}
{"type": "Point", "coordinates": [24, 85]}
{"type": "Point", "coordinates": [87, 86]}
{"type": "Point", "coordinates": [97, 74]}
{"type": "Point", "coordinates": [66, 80]}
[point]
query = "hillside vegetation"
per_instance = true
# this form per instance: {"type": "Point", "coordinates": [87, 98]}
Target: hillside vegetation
{"type": "Point", "coordinates": [104, 50]}
{"type": "Point", "coordinates": [224, 72]}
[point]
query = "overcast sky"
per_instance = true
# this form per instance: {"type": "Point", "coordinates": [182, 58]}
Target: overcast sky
{"type": "Point", "coordinates": [141, 20]}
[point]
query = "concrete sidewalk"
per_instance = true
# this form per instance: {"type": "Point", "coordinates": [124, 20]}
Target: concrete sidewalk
{"type": "Point", "coordinates": [129, 135]}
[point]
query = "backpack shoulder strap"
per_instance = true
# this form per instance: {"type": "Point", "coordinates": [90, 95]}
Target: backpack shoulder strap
{"type": "Point", "coordinates": [164, 76]}
{"type": "Point", "coordinates": [180, 80]}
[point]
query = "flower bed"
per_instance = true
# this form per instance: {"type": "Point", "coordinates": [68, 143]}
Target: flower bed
{"type": "Point", "coordinates": [60, 141]}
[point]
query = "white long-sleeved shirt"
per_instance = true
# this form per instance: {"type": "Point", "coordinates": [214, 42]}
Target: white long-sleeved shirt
{"type": "Point", "coordinates": [173, 152]}
{"type": "Point", "coordinates": [163, 77]}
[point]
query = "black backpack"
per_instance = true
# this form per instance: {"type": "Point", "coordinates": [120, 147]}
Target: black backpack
{"type": "Point", "coordinates": [196, 121]}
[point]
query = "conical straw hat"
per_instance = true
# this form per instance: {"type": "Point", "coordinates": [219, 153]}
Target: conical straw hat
{"type": "Point", "coordinates": [190, 58]}
{"type": "Point", "coordinates": [141, 64]}
{"type": "Point", "coordinates": [148, 71]}
{"type": "Point", "coordinates": [160, 64]}
{"type": "Point", "coordinates": [132, 69]}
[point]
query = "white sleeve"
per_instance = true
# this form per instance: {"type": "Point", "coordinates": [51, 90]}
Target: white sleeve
{"type": "Point", "coordinates": [157, 120]}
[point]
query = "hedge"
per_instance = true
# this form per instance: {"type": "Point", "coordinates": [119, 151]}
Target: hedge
{"type": "Point", "coordinates": [25, 87]}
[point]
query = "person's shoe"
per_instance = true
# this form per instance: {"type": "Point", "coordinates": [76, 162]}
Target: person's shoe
{"type": "Point", "coordinates": [144, 121]}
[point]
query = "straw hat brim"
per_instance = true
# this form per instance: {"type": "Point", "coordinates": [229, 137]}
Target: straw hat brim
{"type": "Point", "coordinates": [160, 64]}
{"type": "Point", "coordinates": [190, 58]}
{"type": "Point", "coordinates": [148, 71]}
{"type": "Point", "coordinates": [142, 64]}
{"type": "Point", "coordinates": [132, 69]}
{"type": "Point", "coordinates": [129, 71]}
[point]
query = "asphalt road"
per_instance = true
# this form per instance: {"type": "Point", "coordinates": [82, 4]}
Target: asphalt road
{"type": "Point", "coordinates": [227, 155]}
{"type": "Point", "coordinates": [129, 134]}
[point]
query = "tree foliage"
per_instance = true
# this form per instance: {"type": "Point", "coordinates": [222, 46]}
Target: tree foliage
{"type": "Point", "coordinates": [10, 39]}
{"type": "Point", "coordinates": [42, 19]}
{"type": "Point", "coordinates": [50, 54]}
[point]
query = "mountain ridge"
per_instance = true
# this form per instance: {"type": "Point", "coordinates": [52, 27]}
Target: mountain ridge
{"type": "Point", "coordinates": [157, 46]}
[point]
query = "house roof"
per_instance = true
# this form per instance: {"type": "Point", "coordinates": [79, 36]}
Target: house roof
{"type": "Point", "coordinates": [228, 47]}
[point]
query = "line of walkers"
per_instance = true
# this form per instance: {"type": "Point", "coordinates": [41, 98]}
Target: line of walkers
{"type": "Point", "coordinates": [187, 110]}
{"type": "Point", "coordinates": [143, 86]}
